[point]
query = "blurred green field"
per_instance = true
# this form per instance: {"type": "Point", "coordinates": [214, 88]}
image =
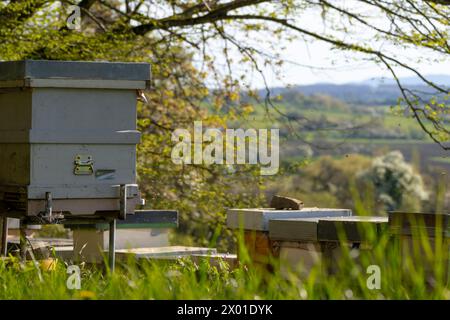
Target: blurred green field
{"type": "Point", "coordinates": [328, 126]}
{"type": "Point", "coordinates": [378, 120]}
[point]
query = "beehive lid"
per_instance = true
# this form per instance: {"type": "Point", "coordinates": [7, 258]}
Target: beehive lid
{"type": "Point", "coordinates": [51, 73]}
{"type": "Point", "coordinates": [258, 218]}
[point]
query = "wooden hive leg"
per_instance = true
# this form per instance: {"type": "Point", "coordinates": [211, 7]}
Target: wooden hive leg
{"type": "Point", "coordinates": [112, 245]}
{"type": "Point", "coordinates": [4, 238]}
{"type": "Point", "coordinates": [23, 241]}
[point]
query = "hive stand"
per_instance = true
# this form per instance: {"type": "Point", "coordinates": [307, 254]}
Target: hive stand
{"type": "Point", "coordinates": [90, 229]}
{"type": "Point", "coordinates": [4, 236]}
{"type": "Point", "coordinates": [49, 218]}
{"type": "Point", "coordinates": [136, 231]}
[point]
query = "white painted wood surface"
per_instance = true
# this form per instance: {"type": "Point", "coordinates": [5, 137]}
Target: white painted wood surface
{"type": "Point", "coordinates": [258, 219]}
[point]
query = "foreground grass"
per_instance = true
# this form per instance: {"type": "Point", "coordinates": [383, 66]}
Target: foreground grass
{"type": "Point", "coordinates": [402, 277]}
{"type": "Point", "coordinates": [180, 280]}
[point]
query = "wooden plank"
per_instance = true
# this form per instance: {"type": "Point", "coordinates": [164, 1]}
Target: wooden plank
{"type": "Point", "coordinates": [353, 229]}
{"type": "Point", "coordinates": [86, 83]}
{"type": "Point", "coordinates": [294, 229]}
{"type": "Point", "coordinates": [75, 83]}
{"type": "Point", "coordinates": [323, 228]}
{"type": "Point", "coordinates": [258, 219]}
{"type": "Point", "coordinates": [163, 252]}
{"type": "Point", "coordinates": [141, 219]}
{"type": "Point", "coordinates": [414, 223]}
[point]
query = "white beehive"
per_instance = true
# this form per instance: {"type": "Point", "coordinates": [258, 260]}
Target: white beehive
{"type": "Point", "coordinates": [68, 129]}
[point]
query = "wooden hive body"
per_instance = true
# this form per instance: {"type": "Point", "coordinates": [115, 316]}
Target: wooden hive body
{"type": "Point", "coordinates": [68, 128]}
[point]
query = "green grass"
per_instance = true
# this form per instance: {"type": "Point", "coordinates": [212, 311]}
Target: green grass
{"type": "Point", "coordinates": [402, 277]}
{"type": "Point", "coordinates": [417, 272]}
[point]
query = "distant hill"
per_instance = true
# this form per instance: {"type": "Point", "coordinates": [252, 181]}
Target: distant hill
{"type": "Point", "coordinates": [441, 79]}
{"type": "Point", "coordinates": [377, 91]}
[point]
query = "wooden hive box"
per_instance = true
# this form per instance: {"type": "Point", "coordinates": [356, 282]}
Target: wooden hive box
{"type": "Point", "coordinates": [254, 226]}
{"type": "Point", "coordinates": [304, 244]}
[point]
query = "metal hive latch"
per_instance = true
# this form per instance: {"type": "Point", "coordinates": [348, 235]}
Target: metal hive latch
{"type": "Point", "coordinates": [84, 165]}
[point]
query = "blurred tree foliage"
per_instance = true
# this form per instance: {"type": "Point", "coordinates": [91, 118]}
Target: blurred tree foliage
{"type": "Point", "coordinates": [357, 182]}
{"type": "Point", "coordinates": [324, 182]}
{"type": "Point", "coordinates": [196, 45]}
{"type": "Point", "coordinates": [315, 101]}
{"type": "Point", "coordinates": [396, 183]}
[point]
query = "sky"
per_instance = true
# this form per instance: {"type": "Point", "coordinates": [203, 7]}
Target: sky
{"type": "Point", "coordinates": [299, 56]}
{"type": "Point", "coordinates": [334, 66]}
